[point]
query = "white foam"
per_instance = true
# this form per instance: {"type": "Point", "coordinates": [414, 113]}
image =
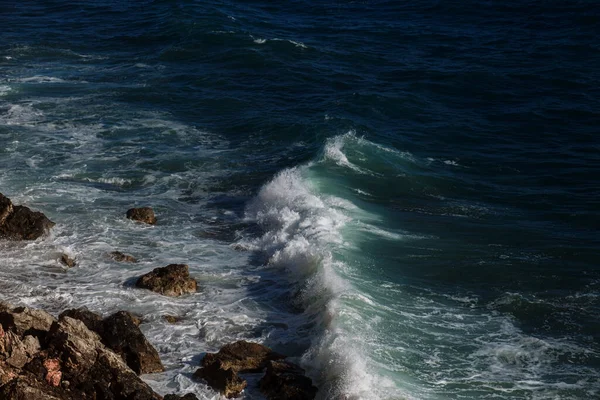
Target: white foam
{"type": "Point", "coordinates": [41, 79]}
{"type": "Point", "coordinates": [302, 229]}
{"type": "Point", "coordinates": [20, 114]}
{"type": "Point", "coordinates": [4, 90]}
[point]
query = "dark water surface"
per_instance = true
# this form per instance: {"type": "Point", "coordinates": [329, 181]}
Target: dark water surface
{"type": "Point", "coordinates": [403, 196]}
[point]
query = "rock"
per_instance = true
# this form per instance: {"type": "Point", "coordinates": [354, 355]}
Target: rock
{"type": "Point", "coordinates": [225, 380]}
{"type": "Point", "coordinates": [142, 214]}
{"type": "Point", "coordinates": [24, 320]}
{"type": "Point", "coordinates": [286, 381]}
{"type": "Point", "coordinates": [171, 319]}
{"type": "Point", "coordinates": [53, 374]}
{"type": "Point", "coordinates": [243, 356]}
{"type": "Point", "coordinates": [27, 387]}
{"type": "Point", "coordinates": [20, 223]}
{"type": "Point", "coordinates": [172, 280]}
{"type": "Point", "coordinates": [189, 396]}
{"type": "Point", "coordinates": [70, 364]}
{"type": "Point", "coordinates": [90, 319]}
{"type": "Point", "coordinates": [220, 370]}
{"type": "Point", "coordinates": [122, 334]}
{"type": "Point", "coordinates": [121, 257]}
{"type": "Point", "coordinates": [68, 261]}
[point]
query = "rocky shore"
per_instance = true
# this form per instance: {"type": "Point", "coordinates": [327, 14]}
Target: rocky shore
{"type": "Point", "coordinates": [81, 355]}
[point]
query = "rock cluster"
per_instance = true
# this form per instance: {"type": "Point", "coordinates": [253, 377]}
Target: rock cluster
{"type": "Point", "coordinates": [172, 280]}
{"type": "Point", "coordinates": [42, 358]}
{"type": "Point", "coordinates": [282, 380]}
{"type": "Point", "coordinates": [20, 223]}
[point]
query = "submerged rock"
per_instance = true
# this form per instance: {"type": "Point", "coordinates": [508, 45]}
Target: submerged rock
{"type": "Point", "coordinates": [220, 370]}
{"type": "Point", "coordinates": [142, 214]}
{"type": "Point", "coordinates": [286, 381]}
{"type": "Point", "coordinates": [172, 280]}
{"type": "Point", "coordinates": [67, 261]}
{"type": "Point", "coordinates": [20, 223]}
{"type": "Point", "coordinates": [171, 319]}
{"type": "Point", "coordinates": [121, 257]}
{"type": "Point", "coordinates": [70, 363]}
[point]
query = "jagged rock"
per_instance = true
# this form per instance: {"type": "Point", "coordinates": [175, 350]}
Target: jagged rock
{"type": "Point", "coordinates": [286, 381]}
{"type": "Point", "coordinates": [28, 387]}
{"type": "Point", "coordinates": [24, 320]}
{"type": "Point", "coordinates": [220, 370]}
{"type": "Point", "coordinates": [121, 257]}
{"type": "Point", "coordinates": [71, 363]}
{"type": "Point", "coordinates": [189, 396]}
{"type": "Point", "coordinates": [243, 356]}
{"type": "Point", "coordinates": [142, 214]}
{"type": "Point", "coordinates": [172, 280]}
{"type": "Point", "coordinates": [68, 261]}
{"type": "Point", "coordinates": [20, 223]}
{"type": "Point", "coordinates": [225, 380]}
{"type": "Point", "coordinates": [90, 319]}
{"type": "Point", "coordinates": [122, 334]}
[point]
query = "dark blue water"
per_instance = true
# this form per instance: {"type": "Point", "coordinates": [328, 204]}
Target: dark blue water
{"type": "Point", "coordinates": [403, 196]}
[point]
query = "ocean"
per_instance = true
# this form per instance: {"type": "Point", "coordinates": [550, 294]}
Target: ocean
{"type": "Point", "coordinates": [404, 197]}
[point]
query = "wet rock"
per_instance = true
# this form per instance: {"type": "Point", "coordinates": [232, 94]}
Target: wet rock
{"type": "Point", "coordinates": [171, 319]}
{"type": "Point", "coordinates": [220, 370]}
{"type": "Point", "coordinates": [122, 334]}
{"type": "Point", "coordinates": [67, 261]}
{"type": "Point", "coordinates": [222, 379]}
{"type": "Point", "coordinates": [20, 223]}
{"type": "Point", "coordinates": [172, 280]}
{"type": "Point", "coordinates": [121, 257]}
{"type": "Point", "coordinates": [142, 214]}
{"type": "Point", "coordinates": [242, 356]}
{"type": "Point", "coordinates": [286, 381]}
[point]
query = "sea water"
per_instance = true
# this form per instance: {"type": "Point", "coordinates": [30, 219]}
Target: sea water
{"type": "Point", "coordinates": [402, 197]}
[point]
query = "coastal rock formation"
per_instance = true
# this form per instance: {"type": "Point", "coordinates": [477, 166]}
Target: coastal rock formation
{"type": "Point", "coordinates": [142, 214]}
{"type": "Point", "coordinates": [120, 332]}
{"type": "Point", "coordinates": [220, 370]}
{"type": "Point", "coordinates": [121, 257]}
{"type": "Point", "coordinates": [20, 223]}
{"type": "Point", "coordinates": [42, 358]}
{"type": "Point", "coordinates": [286, 381]}
{"type": "Point", "coordinates": [172, 280]}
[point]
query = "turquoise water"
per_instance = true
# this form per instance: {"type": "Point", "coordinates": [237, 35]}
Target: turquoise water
{"type": "Point", "coordinates": [402, 197]}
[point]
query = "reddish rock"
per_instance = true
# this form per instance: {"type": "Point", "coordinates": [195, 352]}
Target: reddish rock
{"type": "Point", "coordinates": [142, 214]}
{"type": "Point", "coordinates": [53, 374]}
{"type": "Point", "coordinates": [172, 280]}
{"type": "Point", "coordinates": [20, 223]}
